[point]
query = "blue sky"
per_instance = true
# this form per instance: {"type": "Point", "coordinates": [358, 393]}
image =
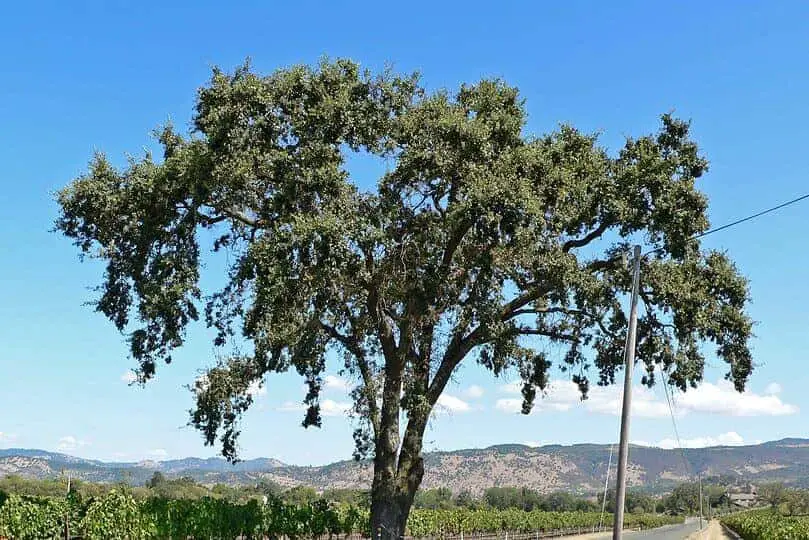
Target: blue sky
{"type": "Point", "coordinates": [82, 76]}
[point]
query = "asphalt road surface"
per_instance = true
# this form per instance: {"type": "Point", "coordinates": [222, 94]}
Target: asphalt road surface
{"type": "Point", "coordinates": [671, 532]}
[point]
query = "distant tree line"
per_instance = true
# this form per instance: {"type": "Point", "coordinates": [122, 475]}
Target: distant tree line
{"type": "Point", "coordinates": [788, 501]}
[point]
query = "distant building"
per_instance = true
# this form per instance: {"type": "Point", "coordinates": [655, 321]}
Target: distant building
{"type": "Point", "coordinates": [744, 497]}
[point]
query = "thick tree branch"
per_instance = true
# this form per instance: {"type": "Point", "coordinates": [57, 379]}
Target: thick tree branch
{"type": "Point", "coordinates": [566, 311]}
{"type": "Point", "coordinates": [592, 235]}
{"type": "Point", "coordinates": [369, 386]}
{"type": "Point", "coordinates": [456, 351]}
{"type": "Point", "coordinates": [561, 336]}
{"type": "Point", "coordinates": [521, 301]}
{"type": "Point", "coordinates": [222, 214]}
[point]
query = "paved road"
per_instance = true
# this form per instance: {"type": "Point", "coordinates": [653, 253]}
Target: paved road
{"type": "Point", "coordinates": [671, 532]}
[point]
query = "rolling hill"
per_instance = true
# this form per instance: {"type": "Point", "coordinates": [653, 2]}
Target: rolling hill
{"type": "Point", "coordinates": [577, 468]}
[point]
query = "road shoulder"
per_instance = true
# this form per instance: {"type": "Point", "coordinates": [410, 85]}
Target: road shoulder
{"type": "Point", "coordinates": [714, 531]}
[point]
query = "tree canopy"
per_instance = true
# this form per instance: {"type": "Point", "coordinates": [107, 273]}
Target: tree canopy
{"type": "Point", "coordinates": [476, 242]}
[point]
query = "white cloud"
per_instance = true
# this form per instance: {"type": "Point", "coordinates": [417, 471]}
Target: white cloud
{"type": "Point", "coordinates": [7, 437]}
{"type": "Point", "coordinates": [535, 444]}
{"type": "Point", "coordinates": [333, 382]}
{"type": "Point", "coordinates": [720, 398]}
{"type": "Point", "coordinates": [129, 377]}
{"type": "Point", "coordinates": [453, 404]}
{"type": "Point", "coordinates": [158, 453]}
{"type": "Point", "coordinates": [328, 407]}
{"type": "Point", "coordinates": [69, 443]}
{"type": "Point", "coordinates": [474, 392]}
{"type": "Point", "coordinates": [562, 396]}
{"type": "Point", "coordinates": [508, 405]}
{"type": "Point", "coordinates": [773, 389]}
{"type": "Point", "coordinates": [731, 438]}
{"type": "Point", "coordinates": [291, 406]}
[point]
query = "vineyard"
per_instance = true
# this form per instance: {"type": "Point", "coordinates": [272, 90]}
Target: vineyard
{"type": "Point", "coordinates": [119, 515]}
{"type": "Point", "coordinates": [768, 525]}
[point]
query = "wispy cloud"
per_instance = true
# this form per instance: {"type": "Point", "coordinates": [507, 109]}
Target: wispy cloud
{"type": "Point", "coordinates": [328, 407]}
{"type": "Point", "coordinates": [158, 453]}
{"type": "Point", "coordinates": [453, 404]}
{"type": "Point", "coordinates": [474, 392]}
{"type": "Point", "coordinates": [333, 382]}
{"type": "Point", "coordinates": [129, 377]}
{"type": "Point", "coordinates": [731, 438]}
{"type": "Point", "coordinates": [773, 389]}
{"type": "Point", "coordinates": [7, 437]}
{"type": "Point", "coordinates": [69, 443]}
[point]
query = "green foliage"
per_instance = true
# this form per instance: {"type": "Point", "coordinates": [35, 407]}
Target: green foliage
{"type": "Point", "coordinates": [300, 495]}
{"type": "Point", "coordinates": [684, 499]}
{"type": "Point", "coordinates": [502, 498]}
{"type": "Point", "coordinates": [157, 480]}
{"type": "Point", "coordinates": [354, 497]}
{"type": "Point", "coordinates": [476, 232]}
{"type": "Point", "coordinates": [432, 523]}
{"type": "Point", "coordinates": [472, 209]}
{"type": "Point", "coordinates": [465, 499]}
{"type": "Point", "coordinates": [119, 515]}
{"type": "Point", "coordinates": [768, 525]}
{"type": "Point", "coordinates": [434, 499]}
{"type": "Point", "coordinates": [116, 515]}
{"type": "Point", "coordinates": [23, 517]}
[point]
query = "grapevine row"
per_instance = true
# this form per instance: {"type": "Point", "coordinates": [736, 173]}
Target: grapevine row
{"type": "Point", "coordinates": [768, 524]}
{"type": "Point", "coordinates": [119, 515]}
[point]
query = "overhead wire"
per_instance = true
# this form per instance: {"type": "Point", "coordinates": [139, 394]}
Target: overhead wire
{"type": "Point", "coordinates": [687, 464]}
{"type": "Point", "coordinates": [742, 220]}
{"type": "Point", "coordinates": [606, 484]}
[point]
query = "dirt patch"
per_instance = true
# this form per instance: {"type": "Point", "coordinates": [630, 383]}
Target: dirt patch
{"type": "Point", "coordinates": [714, 531]}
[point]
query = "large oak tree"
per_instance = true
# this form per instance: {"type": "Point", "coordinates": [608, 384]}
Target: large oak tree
{"type": "Point", "coordinates": [478, 242]}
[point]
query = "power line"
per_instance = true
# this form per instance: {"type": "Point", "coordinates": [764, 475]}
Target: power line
{"type": "Point", "coordinates": [606, 484]}
{"type": "Point", "coordinates": [677, 437]}
{"type": "Point", "coordinates": [742, 220]}
{"type": "Point", "coordinates": [674, 421]}
{"type": "Point", "coordinates": [753, 216]}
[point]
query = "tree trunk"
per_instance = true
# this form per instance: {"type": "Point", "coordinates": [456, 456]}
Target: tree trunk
{"type": "Point", "coordinates": [389, 516]}
{"type": "Point", "coordinates": [394, 487]}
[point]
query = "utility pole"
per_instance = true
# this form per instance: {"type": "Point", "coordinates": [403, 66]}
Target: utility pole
{"type": "Point", "coordinates": [700, 503]}
{"type": "Point", "coordinates": [629, 360]}
{"type": "Point", "coordinates": [67, 515]}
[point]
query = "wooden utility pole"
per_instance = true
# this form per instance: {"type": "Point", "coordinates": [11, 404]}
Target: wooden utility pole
{"type": "Point", "coordinates": [67, 514]}
{"type": "Point", "coordinates": [629, 360]}
{"type": "Point", "coordinates": [700, 503]}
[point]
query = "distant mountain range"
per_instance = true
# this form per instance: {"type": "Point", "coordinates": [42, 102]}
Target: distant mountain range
{"type": "Point", "coordinates": [577, 468]}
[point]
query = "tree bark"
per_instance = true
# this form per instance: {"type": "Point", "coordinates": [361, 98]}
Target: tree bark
{"type": "Point", "coordinates": [389, 515]}
{"type": "Point", "coordinates": [396, 482]}
{"type": "Point", "coordinates": [391, 501]}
